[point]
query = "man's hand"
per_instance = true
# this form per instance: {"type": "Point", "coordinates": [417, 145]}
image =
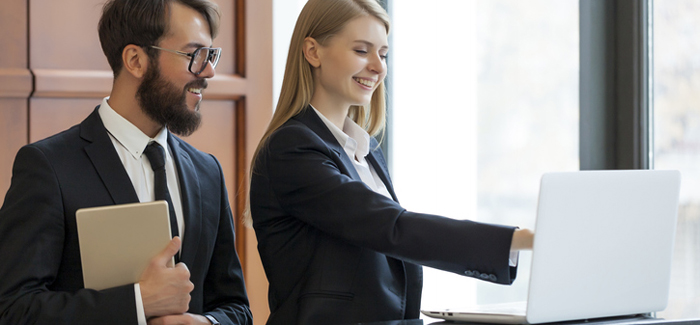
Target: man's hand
{"type": "Point", "coordinates": [166, 290]}
{"type": "Point", "coordinates": [185, 319]}
{"type": "Point", "coordinates": [522, 240]}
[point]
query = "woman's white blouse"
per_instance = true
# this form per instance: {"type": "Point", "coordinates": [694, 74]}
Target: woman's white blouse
{"type": "Point", "coordinates": [355, 141]}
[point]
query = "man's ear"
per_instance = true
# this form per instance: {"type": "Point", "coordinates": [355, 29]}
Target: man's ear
{"type": "Point", "coordinates": [135, 60]}
{"type": "Point", "coordinates": [311, 52]}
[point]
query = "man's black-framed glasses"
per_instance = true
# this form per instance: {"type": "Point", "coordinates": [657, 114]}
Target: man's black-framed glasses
{"type": "Point", "coordinates": [198, 58]}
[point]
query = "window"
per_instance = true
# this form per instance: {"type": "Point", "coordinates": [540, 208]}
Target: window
{"type": "Point", "coordinates": [284, 15]}
{"type": "Point", "coordinates": [676, 100]}
{"type": "Point", "coordinates": [485, 100]}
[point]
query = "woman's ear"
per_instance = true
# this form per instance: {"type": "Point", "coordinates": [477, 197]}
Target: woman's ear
{"type": "Point", "coordinates": [135, 60]}
{"type": "Point", "coordinates": [311, 52]}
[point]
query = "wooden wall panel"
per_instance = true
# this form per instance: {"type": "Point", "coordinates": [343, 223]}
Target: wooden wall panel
{"type": "Point", "coordinates": [49, 116]}
{"type": "Point", "coordinates": [226, 38]}
{"type": "Point", "coordinates": [15, 86]}
{"type": "Point", "coordinates": [63, 35]}
{"type": "Point", "coordinates": [13, 19]}
{"type": "Point", "coordinates": [13, 135]}
{"type": "Point", "coordinates": [258, 74]}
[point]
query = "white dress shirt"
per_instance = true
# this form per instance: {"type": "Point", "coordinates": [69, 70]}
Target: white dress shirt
{"type": "Point", "coordinates": [130, 142]}
{"type": "Point", "coordinates": [355, 141]}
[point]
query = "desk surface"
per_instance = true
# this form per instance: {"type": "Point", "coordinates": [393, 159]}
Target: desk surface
{"type": "Point", "coordinates": [641, 320]}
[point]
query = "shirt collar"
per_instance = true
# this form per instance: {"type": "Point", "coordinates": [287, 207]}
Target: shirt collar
{"type": "Point", "coordinates": [126, 133]}
{"type": "Point", "coordinates": [353, 138]}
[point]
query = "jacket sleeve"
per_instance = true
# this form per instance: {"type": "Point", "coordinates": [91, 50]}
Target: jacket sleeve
{"type": "Point", "coordinates": [305, 176]}
{"type": "Point", "coordinates": [225, 295]}
{"type": "Point", "coordinates": [32, 235]}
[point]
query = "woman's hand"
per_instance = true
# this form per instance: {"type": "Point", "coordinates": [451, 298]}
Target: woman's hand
{"type": "Point", "coordinates": [522, 240]}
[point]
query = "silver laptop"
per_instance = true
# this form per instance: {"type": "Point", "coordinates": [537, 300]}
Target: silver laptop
{"type": "Point", "coordinates": [603, 248]}
{"type": "Point", "coordinates": [117, 242]}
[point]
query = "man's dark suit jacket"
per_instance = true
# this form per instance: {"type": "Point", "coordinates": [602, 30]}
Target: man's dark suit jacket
{"type": "Point", "coordinates": [336, 252]}
{"type": "Point", "coordinates": [41, 279]}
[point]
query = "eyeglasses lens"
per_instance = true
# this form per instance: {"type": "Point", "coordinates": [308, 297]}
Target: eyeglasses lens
{"type": "Point", "coordinates": [201, 56]}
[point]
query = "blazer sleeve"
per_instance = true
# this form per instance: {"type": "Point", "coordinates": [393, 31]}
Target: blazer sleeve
{"type": "Point", "coordinates": [306, 178]}
{"type": "Point", "coordinates": [32, 234]}
{"type": "Point", "coordinates": [225, 295]}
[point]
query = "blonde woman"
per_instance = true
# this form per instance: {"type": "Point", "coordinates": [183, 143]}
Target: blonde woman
{"type": "Point", "coordinates": [336, 245]}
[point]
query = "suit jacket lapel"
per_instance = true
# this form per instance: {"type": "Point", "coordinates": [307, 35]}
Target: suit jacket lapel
{"type": "Point", "coordinates": [190, 192]}
{"type": "Point", "coordinates": [381, 170]}
{"type": "Point", "coordinates": [309, 118]}
{"type": "Point", "coordinates": [106, 160]}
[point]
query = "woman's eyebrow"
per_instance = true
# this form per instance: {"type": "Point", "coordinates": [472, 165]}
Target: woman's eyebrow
{"type": "Point", "coordinates": [370, 44]}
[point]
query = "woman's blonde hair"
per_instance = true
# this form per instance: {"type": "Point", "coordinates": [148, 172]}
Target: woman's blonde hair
{"type": "Point", "coordinates": [321, 19]}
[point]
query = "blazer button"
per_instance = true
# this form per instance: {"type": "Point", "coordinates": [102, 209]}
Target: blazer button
{"type": "Point", "coordinates": [484, 276]}
{"type": "Point", "coordinates": [493, 277]}
{"type": "Point", "coordinates": [468, 273]}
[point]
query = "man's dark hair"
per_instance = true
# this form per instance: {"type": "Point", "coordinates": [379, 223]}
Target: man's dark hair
{"type": "Point", "coordinates": [143, 23]}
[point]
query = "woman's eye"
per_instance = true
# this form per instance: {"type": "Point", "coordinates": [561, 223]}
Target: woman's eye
{"type": "Point", "coordinates": [361, 51]}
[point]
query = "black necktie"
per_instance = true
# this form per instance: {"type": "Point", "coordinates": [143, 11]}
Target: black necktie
{"type": "Point", "coordinates": [156, 155]}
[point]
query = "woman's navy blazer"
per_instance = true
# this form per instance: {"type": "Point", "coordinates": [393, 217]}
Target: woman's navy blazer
{"type": "Point", "coordinates": [336, 252]}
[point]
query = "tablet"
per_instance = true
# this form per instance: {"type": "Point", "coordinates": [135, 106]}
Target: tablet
{"type": "Point", "coordinates": [117, 242]}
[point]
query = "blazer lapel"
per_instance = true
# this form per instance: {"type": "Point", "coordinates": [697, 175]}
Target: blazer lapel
{"type": "Point", "coordinates": [190, 192]}
{"type": "Point", "coordinates": [309, 117]}
{"type": "Point", "coordinates": [381, 170]}
{"type": "Point", "coordinates": [106, 160]}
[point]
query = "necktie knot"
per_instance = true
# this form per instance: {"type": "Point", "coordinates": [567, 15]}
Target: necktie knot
{"type": "Point", "coordinates": [156, 155]}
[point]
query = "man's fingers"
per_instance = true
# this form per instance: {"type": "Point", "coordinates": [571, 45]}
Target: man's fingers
{"type": "Point", "coordinates": [168, 252]}
{"type": "Point", "coordinates": [182, 266]}
{"type": "Point", "coordinates": [185, 274]}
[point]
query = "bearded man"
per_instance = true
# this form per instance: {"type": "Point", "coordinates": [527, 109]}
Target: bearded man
{"type": "Point", "coordinates": [161, 55]}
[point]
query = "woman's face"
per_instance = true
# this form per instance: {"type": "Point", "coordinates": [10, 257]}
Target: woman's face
{"type": "Point", "coordinates": [352, 63]}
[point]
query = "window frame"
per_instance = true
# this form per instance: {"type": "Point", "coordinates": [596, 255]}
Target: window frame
{"type": "Point", "coordinates": [384, 138]}
{"type": "Point", "coordinates": [615, 107]}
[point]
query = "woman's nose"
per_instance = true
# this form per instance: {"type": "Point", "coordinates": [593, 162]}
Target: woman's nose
{"type": "Point", "coordinates": [377, 64]}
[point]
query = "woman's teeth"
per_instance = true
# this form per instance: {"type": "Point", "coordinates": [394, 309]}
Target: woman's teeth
{"type": "Point", "coordinates": [365, 82]}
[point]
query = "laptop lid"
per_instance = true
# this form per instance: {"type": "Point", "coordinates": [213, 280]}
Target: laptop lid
{"type": "Point", "coordinates": [603, 247]}
{"type": "Point", "coordinates": [603, 244]}
{"type": "Point", "coordinates": [118, 241]}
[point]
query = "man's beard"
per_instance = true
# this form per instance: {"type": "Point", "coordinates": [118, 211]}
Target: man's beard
{"type": "Point", "coordinates": [167, 105]}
